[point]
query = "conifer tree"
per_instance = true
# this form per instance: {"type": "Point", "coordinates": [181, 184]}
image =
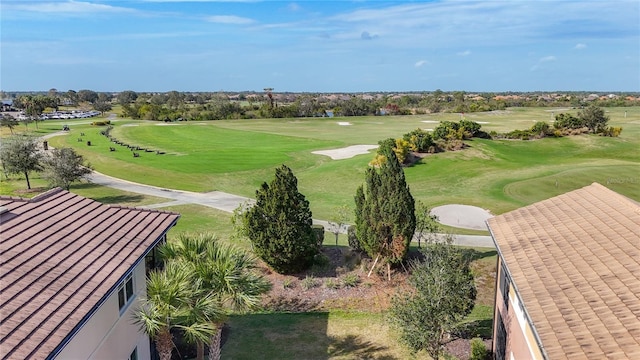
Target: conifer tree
{"type": "Point", "coordinates": [385, 210]}
{"type": "Point", "coordinates": [279, 225]}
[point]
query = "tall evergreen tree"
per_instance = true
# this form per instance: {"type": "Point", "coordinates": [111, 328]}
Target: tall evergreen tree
{"type": "Point", "coordinates": [279, 224]}
{"type": "Point", "coordinates": [385, 216]}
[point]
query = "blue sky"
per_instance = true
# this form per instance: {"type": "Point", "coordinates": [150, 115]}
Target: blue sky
{"type": "Point", "coordinates": [320, 46]}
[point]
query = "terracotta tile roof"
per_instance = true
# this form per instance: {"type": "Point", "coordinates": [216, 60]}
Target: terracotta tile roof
{"type": "Point", "coordinates": [575, 261]}
{"type": "Point", "coordinates": [60, 255]}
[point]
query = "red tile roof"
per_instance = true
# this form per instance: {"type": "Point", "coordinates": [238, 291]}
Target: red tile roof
{"type": "Point", "coordinates": [575, 262]}
{"type": "Point", "coordinates": [60, 255]}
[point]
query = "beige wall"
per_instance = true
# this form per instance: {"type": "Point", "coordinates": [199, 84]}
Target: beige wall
{"type": "Point", "coordinates": [521, 343]}
{"type": "Point", "coordinates": [109, 335]}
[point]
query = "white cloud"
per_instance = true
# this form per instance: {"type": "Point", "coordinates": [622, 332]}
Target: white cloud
{"type": "Point", "coordinates": [68, 7]}
{"type": "Point", "coordinates": [580, 46]}
{"type": "Point", "coordinates": [542, 60]}
{"type": "Point", "coordinates": [294, 7]}
{"type": "Point", "coordinates": [229, 19]}
{"type": "Point", "coordinates": [464, 53]}
{"type": "Point", "coordinates": [421, 63]}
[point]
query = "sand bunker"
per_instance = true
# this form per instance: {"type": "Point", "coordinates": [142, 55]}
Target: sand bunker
{"type": "Point", "coordinates": [430, 121]}
{"type": "Point", "coordinates": [126, 125]}
{"type": "Point", "coordinates": [462, 216]}
{"type": "Point", "coordinates": [347, 152]}
{"type": "Point", "coordinates": [344, 123]}
{"type": "Point", "coordinates": [167, 124]}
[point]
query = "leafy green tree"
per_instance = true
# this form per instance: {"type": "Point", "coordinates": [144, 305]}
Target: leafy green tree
{"type": "Point", "coordinates": [338, 220]}
{"type": "Point", "coordinates": [471, 127]}
{"type": "Point", "coordinates": [279, 224]}
{"type": "Point", "coordinates": [385, 210]}
{"type": "Point", "coordinates": [442, 293]}
{"type": "Point", "coordinates": [176, 301]}
{"type": "Point", "coordinates": [419, 140]}
{"type": "Point", "coordinates": [102, 106]}
{"type": "Point", "coordinates": [127, 97]}
{"type": "Point", "coordinates": [226, 272]}
{"type": "Point", "coordinates": [7, 120]}
{"type": "Point", "coordinates": [21, 155]}
{"type": "Point", "coordinates": [65, 166]}
{"type": "Point", "coordinates": [593, 117]}
{"type": "Point", "coordinates": [89, 96]}
{"type": "Point", "coordinates": [445, 128]}
{"type": "Point", "coordinates": [567, 121]}
{"type": "Point", "coordinates": [426, 223]}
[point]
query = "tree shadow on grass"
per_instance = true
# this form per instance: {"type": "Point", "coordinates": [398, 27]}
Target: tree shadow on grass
{"type": "Point", "coordinates": [353, 346]}
{"type": "Point", "coordinates": [119, 199]}
{"type": "Point", "coordinates": [482, 328]}
{"type": "Point", "coordinates": [474, 254]}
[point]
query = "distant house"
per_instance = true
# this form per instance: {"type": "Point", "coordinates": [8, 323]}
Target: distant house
{"type": "Point", "coordinates": [569, 278]}
{"type": "Point", "coordinates": [70, 270]}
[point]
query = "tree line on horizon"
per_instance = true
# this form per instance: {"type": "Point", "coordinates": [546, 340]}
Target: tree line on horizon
{"type": "Point", "coordinates": [197, 106]}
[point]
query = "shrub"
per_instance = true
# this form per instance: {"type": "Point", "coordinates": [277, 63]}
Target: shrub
{"type": "Point", "coordinates": [354, 244]}
{"type": "Point", "coordinates": [279, 225]}
{"type": "Point", "coordinates": [478, 350]}
{"type": "Point", "coordinates": [540, 128]}
{"type": "Point", "coordinates": [611, 131]}
{"type": "Point", "coordinates": [309, 282]}
{"type": "Point", "coordinates": [469, 126]}
{"type": "Point", "coordinates": [351, 280]}
{"type": "Point", "coordinates": [443, 130]}
{"type": "Point", "coordinates": [331, 284]}
{"type": "Point", "coordinates": [101, 123]}
{"type": "Point", "coordinates": [288, 283]}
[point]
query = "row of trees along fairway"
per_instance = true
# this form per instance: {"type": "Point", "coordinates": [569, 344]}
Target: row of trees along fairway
{"type": "Point", "coordinates": [203, 280]}
{"type": "Point", "coordinates": [60, 167]}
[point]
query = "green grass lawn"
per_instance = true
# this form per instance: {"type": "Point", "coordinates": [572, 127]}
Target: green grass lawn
{"type": "Point", "coordinates": [318, 335]}
{"type": "Point", "coordinates": [236, 156]}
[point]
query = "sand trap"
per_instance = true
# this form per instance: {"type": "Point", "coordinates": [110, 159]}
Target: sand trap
{"type": "Point", "coordinates": [129, 125]}
{"type": "Point", "coordinates": [427, 129]}
{"type": "Point", "coordinates": [167, 124]}
{"type": "Point", "coordinates": [430, 121]}
{"type": "Point", "coordinates": [462, 216]}
{"type": "Point", "coordinates": [483, 122]}
{"type": "Point", "coordinates": [343, 123]}
{"type": "Point", "coordinates": [347, 152]}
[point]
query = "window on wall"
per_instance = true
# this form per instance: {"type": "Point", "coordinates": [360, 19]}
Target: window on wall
{"type": "Point", "coordinates": [501, 340]}
{"type": "Point", "coordinates": [125, 292]}
{"type": "Point", "coordinates": [504, 285]}
{"type": "Point", "coordinates": [134, 354]}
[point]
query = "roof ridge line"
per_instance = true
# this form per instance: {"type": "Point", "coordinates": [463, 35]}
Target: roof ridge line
{"type": "Point", "coordinates": [46, 194]}
{"type": "Point", "coordinates": [117, 206]}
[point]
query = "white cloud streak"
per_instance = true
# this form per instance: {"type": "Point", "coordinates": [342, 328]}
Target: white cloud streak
{"type": "Point", "coordinates": [229, 19]}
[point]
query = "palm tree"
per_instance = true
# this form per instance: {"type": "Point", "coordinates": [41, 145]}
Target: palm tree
{"type": "Point", "coordinates": [226, 272]}
{"type": "Point", "coordinates": [175, 300]}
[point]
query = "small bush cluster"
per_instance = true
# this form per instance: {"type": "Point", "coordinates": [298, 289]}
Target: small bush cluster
{"type": "Point", "coordinates": [308, 282]}
{"type": "Point", "coordinates": [350, 280]}
{"type": "Point", "coordinates": [478, 350]}
{"type": "Point", "coordinates": [331, 284]}
{"type": "Point", "coordinates": [288, 283]}
{"type": "Point", "coordinates": [101, 123]}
